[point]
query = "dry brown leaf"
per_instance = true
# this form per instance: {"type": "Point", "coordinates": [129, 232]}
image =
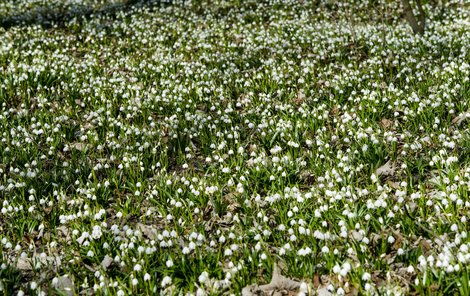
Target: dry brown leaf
{"type": "Point", "coordinates": [324, 292]}
{"type": "Point", "coordinates": [461, 118]}
{"type": "Point", "coordinates": [316, 280]}
{"type": "Point", "coordinates": [149, 231]}
{"type": "Point", "coordinates": [375, 237]}
{"type": "Point", "coordinates": [64, 232]}
{"type": "Point", "coordinates": [441, 240]}
{"type": "Point", "coordinates": [388, 169]}
{"type": "Point", "coordinates": [352, 291]}
{"type": "Point", "coordinates": [36, 261]}
{"type": "Point", "coordinates": [278, 284]}
{"type": "Point", "coordinates": [386, 123]}
{"type": "Point", "coordinates": [399, 239]}
{"type": "Point", "coordinates": [300, 98]}
{"type": "Point", "coordinates": [79, 146]}
{"type": "Point", "coordinates": [357, 235]}
{"type": "Point", "coordinates": [423, 243]}
{"type": "Point", "coordinates": [392, 184]}
{"type": "Point", "coordinates": [64, 285]}
{"type": "Point", "coordinates": [412, 206]}
{"type": "Point", "coordinates": [107, 261]}
{"type": "Point", "coordinates": [378, 279]}
{"type": "Point", "coordinates": [435, 287]}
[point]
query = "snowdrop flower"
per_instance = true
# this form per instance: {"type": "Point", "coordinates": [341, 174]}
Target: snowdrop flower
{"type": "Point", "coordinates": [203, 277]}
{"type": "Point", "coordinates": [166, 281]}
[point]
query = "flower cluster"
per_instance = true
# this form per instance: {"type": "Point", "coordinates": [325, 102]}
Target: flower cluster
{"type": "Point", "coordinates": [157, 148]}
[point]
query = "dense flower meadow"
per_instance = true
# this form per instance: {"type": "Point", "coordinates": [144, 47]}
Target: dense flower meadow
{"type": "Point", "coordinates": [188, 147]}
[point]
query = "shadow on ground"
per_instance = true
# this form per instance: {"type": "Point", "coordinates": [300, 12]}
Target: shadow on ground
{"type": "Point", "coordinates": [50, 16]}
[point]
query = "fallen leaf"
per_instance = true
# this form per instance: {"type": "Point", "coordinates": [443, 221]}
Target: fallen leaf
{"type": "Point", "coordinates": [64, 285]}
{"type": "Point", "coordinates": [107, 261]}
{"type": "Point", "coordinates": [316, 281]}
{"type": "Point", "coordinates": [412, 206]}
{"type": "Point", "coordinates": [423, 243]}
{"type": "Point", "coordinates": [324, 292]}
{"type": "Point", "coordinates": [80, 240]}
{"type": "Point", "coordinates": [435, 287]}
{"type": "Point", "coordinates": [300, 97]}
{"type": "Point", "coordinates": [37, 261]}
{"type": "Point", "coordinates": [149, 231]}
{"type": "Point", "coordinates": [24, 264]}
{"type": "Point", "coordinates": [79, 146]}
{"type": "Point", "coordinates": [386, 123]}
{"type": "Point", "coordinates": [378, 279]}
{"type": "Point", "coordinates": [375, 237]}
{"type": "Point", "coordinates": [461, 118]}
{"type": "Point", "coordinates": [357, 235]}
{"type": "Point", "coordinates": [64, 232]}
{"type": "Point", "coordinates": [278, 284]}
{"type": "Point", "coordinates": [388, 169]}
{"type": "Point", "coordinates": [441, 240]}
{"type": "Point", "coordinates": [398, 240]}
{"type": "Point", "coordinates": [392, 184]}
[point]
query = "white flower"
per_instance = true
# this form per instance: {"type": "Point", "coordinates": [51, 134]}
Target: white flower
{"type": "Point", "coordinates": [373, 177]}
{"type": "Point", "coordinates": [33, 285]}
{"type": "Point", "coordinates": [410, 269]}
{"type": "Point", "coordinates": [96, 232]}
{"type": "Point", "coordinates": [336, 268]}
{"type": "Point", "coordinates": [303, 290]}
{"type": "Point", "coordinates": [203, 277]}
{"type": "Point", "coordinates": [200, 292]}
{"type": "Point", "coordinates": [147, 277]}
{"type": "Point", "coordinates": [166, 281]}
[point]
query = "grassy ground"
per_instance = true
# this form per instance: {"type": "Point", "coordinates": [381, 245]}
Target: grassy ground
{"type": "Point", "coordinates": [151, 148]}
